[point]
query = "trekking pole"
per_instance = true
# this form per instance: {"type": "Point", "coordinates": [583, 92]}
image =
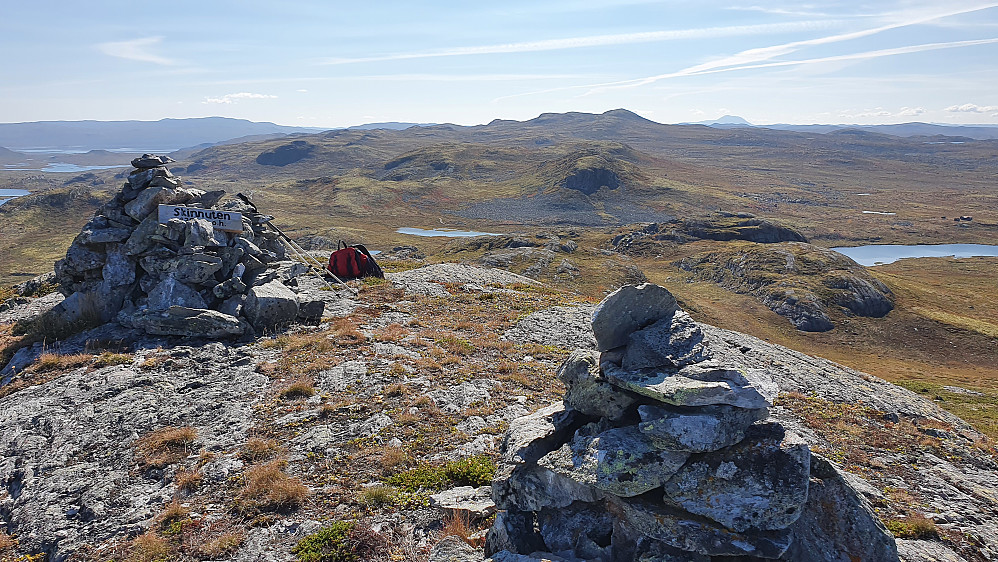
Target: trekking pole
{"type": "Point", "coordinates": [302, 254]}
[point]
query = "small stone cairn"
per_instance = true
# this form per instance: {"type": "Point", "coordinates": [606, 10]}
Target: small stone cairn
{"type": "Point", "coordinates": [663, 450]}
{"type": "Point", "coordinates": [183, 277]}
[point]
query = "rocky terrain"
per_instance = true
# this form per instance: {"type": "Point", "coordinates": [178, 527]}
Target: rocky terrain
{"type": "Point", "coordinates": [246, 451]}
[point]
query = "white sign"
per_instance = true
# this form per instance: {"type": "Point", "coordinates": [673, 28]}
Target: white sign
{"type": "Point", "coordinates": [227, 221]}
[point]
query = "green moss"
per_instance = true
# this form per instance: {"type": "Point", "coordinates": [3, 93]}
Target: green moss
{"type": "Point", "coordinates": [412, 487]}
{"type": "Point", "coordinates": [331, 544]}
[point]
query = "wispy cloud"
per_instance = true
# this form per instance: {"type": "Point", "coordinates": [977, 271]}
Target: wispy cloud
{"type": "Point", "coordinates": [750, 58]}
{"type": "Point", "coordinates": [234, 98]}
{"type": "Point", "coordinates": [599, 41]}
{"type": "Point", "coordinates": [136, 49]}
{"type": "Point", "coordinates": [464, 77]}
{"type": "Point", "coordinates": [972, 108]}
{"type": "Point", "coordinates": [881, 112]}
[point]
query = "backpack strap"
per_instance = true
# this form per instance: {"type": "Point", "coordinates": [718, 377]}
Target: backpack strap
{"type": "Point", "coordinates": [373, 269]}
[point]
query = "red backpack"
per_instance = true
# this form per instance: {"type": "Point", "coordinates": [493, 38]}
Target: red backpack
{"type": "Point", "coordinates": [350, 262]}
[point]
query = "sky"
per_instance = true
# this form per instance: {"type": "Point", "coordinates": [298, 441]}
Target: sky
{"type": "Point", "coordinates": [334, 64]}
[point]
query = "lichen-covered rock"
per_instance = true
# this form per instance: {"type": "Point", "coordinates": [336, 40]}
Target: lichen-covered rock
{"type": "Point", "coordinates": [761, 482]}
{"type": "Point", "coordinates": [587, 392]}
{"type": "Point", "coordinates": [674, 341]}
{"type": "Point", "coordinates": [620, 461]}
{"type": "Point", "coordinates": [171, 292]}
{"type": "Point", "coordinates": [629, 309]}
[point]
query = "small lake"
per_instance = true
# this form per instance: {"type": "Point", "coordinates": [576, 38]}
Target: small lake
{"type": "Point", "coordinates": [63, 168]}
{"type": "Point", "coordinates": [882, 254]}
{"type": "Point", "coordinates": [448, 232]}
{"type": "Point", "coordinates": [8, 194]}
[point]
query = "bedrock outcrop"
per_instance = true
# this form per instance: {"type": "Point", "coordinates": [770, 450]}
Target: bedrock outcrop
{"type": "Point", "coordinates": [663, 449]}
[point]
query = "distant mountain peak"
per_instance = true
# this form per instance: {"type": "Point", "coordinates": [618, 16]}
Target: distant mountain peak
{"type": "Point", "coordinates": [730, 120]}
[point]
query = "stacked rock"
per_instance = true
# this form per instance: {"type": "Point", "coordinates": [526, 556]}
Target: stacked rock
{"type": "Point", "coordinates": [660, 451]}
{"type": "Point", "coordinates": [183, 276]}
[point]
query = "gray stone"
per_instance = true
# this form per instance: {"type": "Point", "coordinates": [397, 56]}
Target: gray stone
{"type": "Point", "coordinates": [186, 322]}
{"type": "Point", "coordinates": [674, 341]}
{"type": "Point", "coordinates": [208, 199]}
{"type": "Point", "coordinates": [80, 258]}
{"type": "Point", "coordinates": [168, 182]}
{"type": "Point", "coordinates": [629, 309]}
{"type": "Point", "coordinates": [150, 161]}
{"type": "Point", "coordinates": [147, 201]}
{"type": "Point", "coordinates": [837, 524]}
{"type": "Point", "coordinates": [577, 531]}
{"type": "Point", "coordinates": [230, 287]}
{"type": "Point", "coordinates": [462, 396]}
{"type": "Point", "coordinates": [139, 179]}
{"type": "Point", "coordinates": [587, 392]}
{"type": "Point", "coordinates": [701, 384]}
{"type": "Point", "coordinates": [761, 482]}
{"type": "Point", "coordinates": [200, 232]}
{"type": "Point", "coordinates": [270, 306]}
{"type": "Point", "coordinates": [532, 488]}
{"type": "Point", "coordinates": [310, 312]}
{"type": "Point", "coordinates": [453, 549]}
{"type": "Point", "coordinates": [475, 502]}
{"type": "Point", "coordinates": [170, 292]}
{"type": "Point", "coordinates": [619, 461]}
{"type": "Point", "coordinates": [532, 436]}
{"type": "Point", "coordinates": [681, 530]}
{"type": "Point", "coordinates": [118, 268]}
{"type": "Point", "coordinates": [233, 306]}
{"type": "Point", "coordinates": [140, 240]}
{"type": "Point", "coordinates": [699, 430]}
{"type": "Point", "coordinates": [104, 235]}
{"type": "Point", "coordinates": [925, 551]}
{"type": "Point", "coordinates": [549, 327]}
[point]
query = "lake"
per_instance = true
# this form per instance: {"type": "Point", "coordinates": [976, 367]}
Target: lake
{"type": "Point", "coordinates": [882, 254]}
{"type": "Point", "coordinates": [448, 232]}
{"type": "Point", "coordinates": [8, 194]}
{"type": "Point", "coordinates": [63, 168]}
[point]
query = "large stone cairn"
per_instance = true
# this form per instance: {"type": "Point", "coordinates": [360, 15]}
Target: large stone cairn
{"type": "Point", "coordinates": [183, 277]}
{"type": "Point", "coordinates": [663, 450]}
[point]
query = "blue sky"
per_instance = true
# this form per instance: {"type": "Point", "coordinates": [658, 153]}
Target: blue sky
{"type": "Point", "coordinates": [332, 63]}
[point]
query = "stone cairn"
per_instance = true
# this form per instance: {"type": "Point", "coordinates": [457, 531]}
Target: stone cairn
{"type": "Point", "coordinates": [663, 450]}
{"type": "Point", "coordinates": [182, 277]}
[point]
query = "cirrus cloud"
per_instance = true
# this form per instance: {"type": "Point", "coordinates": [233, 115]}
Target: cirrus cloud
{"type": "Point", "coordinates": [136, 49]}
{"type": "Point", "coordinates": [234, 98]}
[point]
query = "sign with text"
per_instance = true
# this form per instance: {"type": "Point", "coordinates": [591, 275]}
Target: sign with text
{"type": "Point", "coordinates": [227, 221]}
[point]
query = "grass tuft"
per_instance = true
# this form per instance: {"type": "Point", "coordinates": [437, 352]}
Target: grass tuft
{"type": "Point", "coordinates": [165, 446]}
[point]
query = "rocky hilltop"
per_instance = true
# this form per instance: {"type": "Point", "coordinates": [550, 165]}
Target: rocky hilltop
{"type": "Point", "coordinates": [454, 412]}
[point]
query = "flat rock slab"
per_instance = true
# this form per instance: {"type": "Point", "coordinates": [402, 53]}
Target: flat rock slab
{"type": "Point", "coordinates": [474, 501]}
{"type": "Point", "coordinates": [187, 322]}
{"type": "Point", "coordinates": [705, 429]}
{"type": "Point", "coordinates": [685, 532]}
{"type": "Point", "coordinates": [629, 309]}
{"type": "Point", "coordinates": [700, 385]}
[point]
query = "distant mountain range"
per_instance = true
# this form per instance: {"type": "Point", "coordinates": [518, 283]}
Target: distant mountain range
{"type": "Point", "coordinates": [168, 135]}
{"type": "Point", "coordinates": [976, 132]}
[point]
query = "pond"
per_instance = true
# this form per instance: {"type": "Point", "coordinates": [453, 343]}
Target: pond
{"type": "Point", "coordinates": [882, 254]}
{"type": "Point", "coordinates": [8, 194]}
{"type": "Point", "coordinates": [448, 232]}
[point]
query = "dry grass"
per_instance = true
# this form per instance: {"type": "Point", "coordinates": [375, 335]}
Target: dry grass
{"type": "Point", "coordinates": [48, 362]}
{"type": "Point", "coordinates": [268, 488]}
{"type": "Point", "coordinates": [165, 446]}
{"type": "Point", "coordinates": [173, 513]}
{"type": "Point", "coordinates": [391, 333]}
{"type": "Point", "coordinates": [298, 390]}
{"type": "Point", "coordinates": [317, 343]}
{"type": "Point", "coordinates": [914, 526]}
{"type": "Point", "coordinates": [346, 331]}
{"type": "Point", "coordinates": [258, 449]}
{"type": "Point", "coordinates": [188, 480]}
{"type": "Point", "coordinates": [458, 524]}
{"type": "Point", "coordinates": [7, 542]}
{"type": "Point", "coordinates": [149, 548]}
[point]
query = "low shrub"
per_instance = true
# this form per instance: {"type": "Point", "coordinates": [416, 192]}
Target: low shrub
{"type": "Point", "coordinates": [108, 359]}
{"type": "Point", "coordinates": [915, 526]}
{"type": "Point", "coordinates": [342, 541]}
